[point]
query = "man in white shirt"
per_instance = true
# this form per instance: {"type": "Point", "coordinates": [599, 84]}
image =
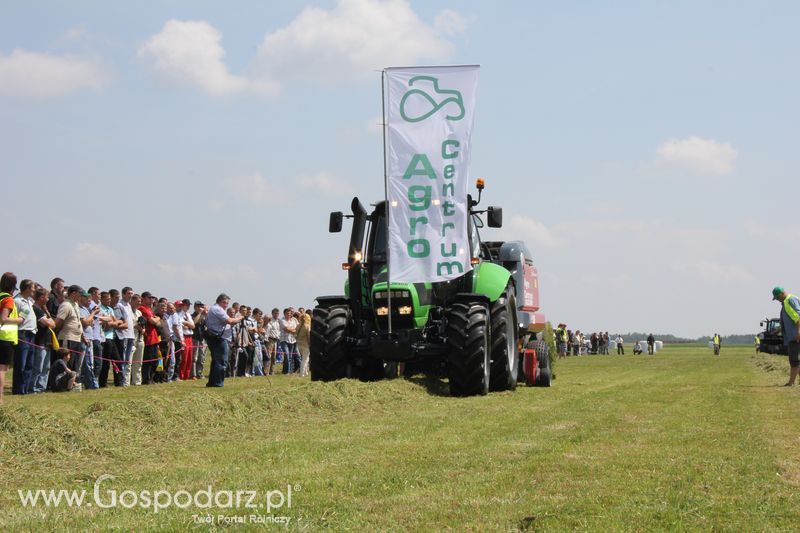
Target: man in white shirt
{"type": "Point", "coordinates": [24, 350]}
{"type": "Point", "coordinates": [187, 329]}
{"type": "Point", "coordinates": [273, 337]}
{"type": "Point", "coordinates": [287, 342]}
{"type": "Point", "coordinates": [125, 333]}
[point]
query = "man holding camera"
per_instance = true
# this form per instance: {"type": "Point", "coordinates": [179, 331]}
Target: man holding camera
{"type": "Point", "coordinates": [218, 336]}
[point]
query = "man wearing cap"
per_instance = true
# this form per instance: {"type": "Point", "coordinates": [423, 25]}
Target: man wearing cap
{"type": "Point", "coordinates": [561, 340]}
{"type": "Point", "coordinates": [790, 323]}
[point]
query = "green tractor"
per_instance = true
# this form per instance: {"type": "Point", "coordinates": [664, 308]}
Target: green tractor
{"type": "Point", "coordinates": [481, 330]}
{"type": "Point", "coordinates": [771, 338]}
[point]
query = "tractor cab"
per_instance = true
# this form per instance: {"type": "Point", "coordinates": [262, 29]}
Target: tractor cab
{"type": "Point", "coordinates": [771, 338]}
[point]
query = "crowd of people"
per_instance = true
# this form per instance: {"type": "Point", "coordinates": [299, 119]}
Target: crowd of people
{"type": "Point", "coordinates": [575, 343]}
{"type": "Point", "coordinates": [67, 338]}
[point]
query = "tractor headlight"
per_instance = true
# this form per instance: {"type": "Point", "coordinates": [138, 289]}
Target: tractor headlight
{"type": "Point", "coordinates": [404, 309]}
{"type": "Point", "coordinates": [382, 311]}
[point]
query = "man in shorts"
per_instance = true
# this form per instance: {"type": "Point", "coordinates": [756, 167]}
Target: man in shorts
{"type": "Point", "coordinates": [790, 322]}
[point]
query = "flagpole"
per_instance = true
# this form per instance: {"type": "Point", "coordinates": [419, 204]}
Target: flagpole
{"type": "Point", "coordinates": [386, 199]}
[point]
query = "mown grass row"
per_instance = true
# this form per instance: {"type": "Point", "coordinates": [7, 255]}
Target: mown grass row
{"type": "Point", "coordinates": [681, 440]}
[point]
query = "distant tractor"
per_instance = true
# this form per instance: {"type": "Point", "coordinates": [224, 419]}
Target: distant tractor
{"type": "Point", "coordinates": [479, 330]}
{"type": "Point", "coordinates": [771, 339]}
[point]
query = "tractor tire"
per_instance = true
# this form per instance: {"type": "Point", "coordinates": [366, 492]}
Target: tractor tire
{"type": "Point", "coordinates": [328, 359]}
{"type": "Point", "coordinates": [468, 367]}
{"type": "Point", "coordinates": [505, 346]}
{"type": "Point", "coordinates": [543, 379]}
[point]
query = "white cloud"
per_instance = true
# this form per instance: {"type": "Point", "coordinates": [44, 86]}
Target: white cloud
{"type": "Point", "coordinates": [254, 189]}
{"type": "Point", "coordinates": [533, 232]}
{"type": "Point", "coordinates": [325, 183]}
{"type": "Point", "coordinates": [41, 75]}
{"type": "Point", "coordinates": [190, 53]}
{"type": "Point", "coordinates": [354, 39]}
{"type": "Point", "coordinates": [710, 271]}
{"type": "Point", "coordinates": [698, 155]}
{"type": "Point", "coordinates": [94, 254]}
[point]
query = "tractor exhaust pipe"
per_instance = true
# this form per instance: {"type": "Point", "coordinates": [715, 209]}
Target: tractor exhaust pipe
{"type": "Point", "coordinates": [355, 257]}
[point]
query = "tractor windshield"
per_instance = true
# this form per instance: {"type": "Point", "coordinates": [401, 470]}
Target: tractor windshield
{"type": "Point", "coordinates": [475, 236]}
{"type": "Point", "coordinates": [376, 252]}
{"type": "Point", "coordinates": [377, 240]}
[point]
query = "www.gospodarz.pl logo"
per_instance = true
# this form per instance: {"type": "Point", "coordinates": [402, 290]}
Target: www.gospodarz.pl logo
{"type": "Point", "coordinates": [424, 105]}
{"type": "Point", "coordinates": [159, 499]}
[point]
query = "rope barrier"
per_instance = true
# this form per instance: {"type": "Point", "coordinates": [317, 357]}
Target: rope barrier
{"type": "Point", "coordinates": [168, 356]}
{"type": "Point", "coordinates": [162, 358]}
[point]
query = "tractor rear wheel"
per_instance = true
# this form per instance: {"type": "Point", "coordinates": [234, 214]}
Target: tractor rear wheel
{"type": "Point", "coordinates": [543, 378]}
{"type": "Point", "coordinates": [468, 341]}
{"type": "Point", "coordinates": [505, 337]}
{"type": "Point", "coordinates": [328, 360]}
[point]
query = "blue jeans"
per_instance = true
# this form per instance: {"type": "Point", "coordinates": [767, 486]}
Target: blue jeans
{"type": "Point", "coordinates": [219, 361]}
{"type": "Point", "coordinates": [257, 369]}
{"type": "Point", "coordinates": [41, 369]}
{"type": "Point", "coordinates": [86, 369]}
{"type": "Point", "coordinates": [127, 356]}
{"type": "Point", "coordinates": [23, 363]}
{"type": "Point", "coordinates": [97, 349]}
{"type": "Point", "coordinates": [170, 365]}
{"type": "Point", "coordinates": [287, 350]}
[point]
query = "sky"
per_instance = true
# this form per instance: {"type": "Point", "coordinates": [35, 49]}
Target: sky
{"type": "Point", "coordinates": [646, 152]}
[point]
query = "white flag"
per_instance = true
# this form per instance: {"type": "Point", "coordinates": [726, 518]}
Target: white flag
{"type": "Point", "coordinates": [430, 116]}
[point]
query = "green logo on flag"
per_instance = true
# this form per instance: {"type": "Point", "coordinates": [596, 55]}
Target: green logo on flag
{"type": "Point", "coordinates": [447, 96]}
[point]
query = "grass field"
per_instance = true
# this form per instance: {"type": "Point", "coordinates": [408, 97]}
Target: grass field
{"type": "Point", "coordinates": [680, 440]}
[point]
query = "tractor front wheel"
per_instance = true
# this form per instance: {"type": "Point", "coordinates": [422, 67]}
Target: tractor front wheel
{"type": "Point", "coordinates": [468, 366]}
{"type": "Point", "coordinates": [328, 359]}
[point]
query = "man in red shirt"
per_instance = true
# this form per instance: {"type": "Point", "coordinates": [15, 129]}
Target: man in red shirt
{"type": "Point", "coordinates": [150, 356]}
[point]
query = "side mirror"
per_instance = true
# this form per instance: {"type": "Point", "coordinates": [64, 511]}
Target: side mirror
{"type": "Point", "coordinates": [335, 223]}
{"type": "Point", "coordinates": [495, 216]}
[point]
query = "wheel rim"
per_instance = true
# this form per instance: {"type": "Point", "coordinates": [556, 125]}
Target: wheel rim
{"type": "Point", "coordinates": [511, 333]}
{"type": "Point", "coordinates": [486, 357]}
